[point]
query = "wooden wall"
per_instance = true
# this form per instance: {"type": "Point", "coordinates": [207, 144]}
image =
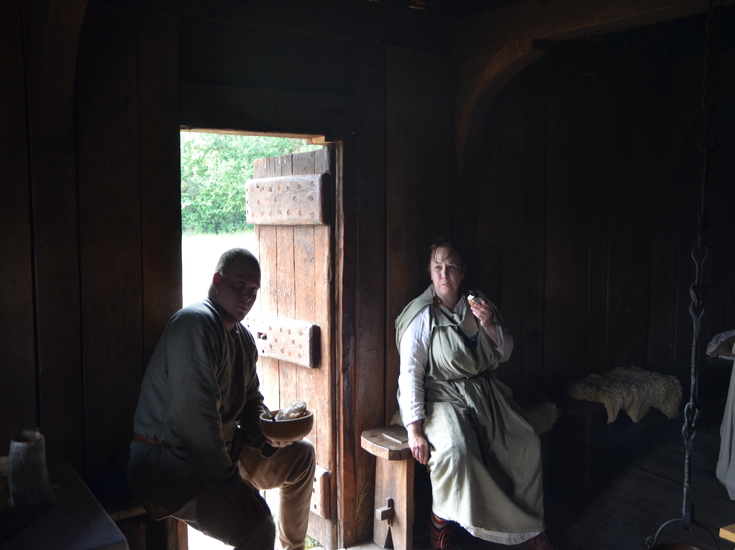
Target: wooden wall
{"type": "Point", "coordinates": [97, 93]}
{"type": "Point", "coordinates": [129, 213]}
{"type": "Point", "coordinates": [579, 221]}
{"type": "Point", "coordinates": [584, 213]}
{"type": "Point", "coordinates": [91, 219]}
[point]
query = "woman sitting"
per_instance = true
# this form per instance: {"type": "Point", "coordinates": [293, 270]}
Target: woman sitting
{"type": "Point", "coordinates": [483, 457]}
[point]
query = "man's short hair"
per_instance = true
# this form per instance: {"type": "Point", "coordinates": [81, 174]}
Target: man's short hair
{"type": "Point", "coordinates": [230, 256]}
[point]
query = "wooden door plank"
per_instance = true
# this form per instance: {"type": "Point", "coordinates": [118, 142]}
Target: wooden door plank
{"type": "Point", "coordinates": [268, 372]}
{"type": "Point", "coordinates": [261, 252]}
{"type": "Point", "coordinates": [288, 383]}
{"type": "Point", "coordinates": [324, 530]}
{"type": "Point", "coordinates": [304, 306]}
{"type": "Point", "coordinates": [296, 284]}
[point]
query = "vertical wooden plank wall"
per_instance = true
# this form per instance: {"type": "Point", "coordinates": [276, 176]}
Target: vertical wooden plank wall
{"type": "Point", "coordinates": [632, 170]}
{"type": "Point", "coordinates": [363, 287]}
{"type": "Point", "coordinates": [565, 235]}
{"type": "Point", "coordinates": [18, 379]}
{"type": "Point", "coordinates": [110, 235]}
{"type": "Point", "coordinates": [52, 65]}
{"type": "Point", "coordinates": [129, 223]}
{"type": "Point", "coordinates": [619, 180]}
{"type": "Point", "coordinates": [515, 284]}
{"type": "Point", "coordinates": [74, 324]}
{"type": "Point", "coordinates": [160, 152]}
{"type": "Point", "coordinates": [420, 181]}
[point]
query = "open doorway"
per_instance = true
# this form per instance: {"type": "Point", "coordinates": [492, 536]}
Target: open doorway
{"type": "Point", "coordinates": [214, 170]}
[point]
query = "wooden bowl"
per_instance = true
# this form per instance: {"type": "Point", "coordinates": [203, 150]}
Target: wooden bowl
{"type": "Point", "coordinates": [286, 430]}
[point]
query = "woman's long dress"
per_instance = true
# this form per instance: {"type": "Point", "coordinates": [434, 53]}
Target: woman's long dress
{"type": "Point", "coordinates": [485, 458]}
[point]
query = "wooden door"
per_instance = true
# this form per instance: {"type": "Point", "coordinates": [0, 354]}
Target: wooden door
{"type": "Point", "coordinates": [290, 202]}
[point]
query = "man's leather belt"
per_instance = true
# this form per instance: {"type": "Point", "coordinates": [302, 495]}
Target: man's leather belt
{"type": "Point", "coordinates": [149, 441]}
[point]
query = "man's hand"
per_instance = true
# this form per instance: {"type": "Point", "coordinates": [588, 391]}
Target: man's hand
{"type": "Point", "coordinates": [249, 502]}
{"type": "Point", "coordinates": [278, 443]}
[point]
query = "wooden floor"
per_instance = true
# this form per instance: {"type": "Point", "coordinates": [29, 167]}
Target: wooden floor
{"type": "Point", "coordinates": [637, 486]}
{"type": "Point", "coordinates": [637, 491]}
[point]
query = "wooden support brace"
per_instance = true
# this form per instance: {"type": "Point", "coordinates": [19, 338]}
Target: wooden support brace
{"type": "Point", "coordinates": [286, 339]}
{"type": "Point", "coordinates": [387, 512]}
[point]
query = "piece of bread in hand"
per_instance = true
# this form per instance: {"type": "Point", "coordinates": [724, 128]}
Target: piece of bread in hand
{"type": "Point", "coordinates": [474, 300]}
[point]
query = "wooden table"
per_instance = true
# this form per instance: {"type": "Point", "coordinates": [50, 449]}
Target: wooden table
{"type": "Point", "coordinates": [76, 521]}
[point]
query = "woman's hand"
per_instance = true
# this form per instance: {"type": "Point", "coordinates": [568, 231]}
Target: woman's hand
{"type": "Point", "coordinates": [417, 441]}
{"type": "Point", "coordinates": [484, 313]}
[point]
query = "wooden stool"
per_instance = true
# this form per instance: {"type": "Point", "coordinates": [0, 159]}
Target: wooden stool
{"type": "Point", "coordinates": [728, 532]}
{"type": "Point", "coordinates": [394, 473]}
{"type": "Point", "coordinates": [394, 476]}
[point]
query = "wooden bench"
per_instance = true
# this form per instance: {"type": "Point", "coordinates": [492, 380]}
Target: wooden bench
{"type": "Point", "coordinates": [394, 477]}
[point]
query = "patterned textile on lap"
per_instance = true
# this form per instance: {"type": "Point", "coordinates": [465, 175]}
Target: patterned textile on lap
{"type": "Point", "coordinates": [633, 389]}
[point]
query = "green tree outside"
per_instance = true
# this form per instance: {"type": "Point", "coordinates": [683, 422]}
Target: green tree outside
{"type": "Point", "coordinates": [214, 170]}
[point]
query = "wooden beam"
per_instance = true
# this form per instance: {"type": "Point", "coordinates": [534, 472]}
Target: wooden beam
{"type": "Point", "coordinates": [533, 19]}
{"type": "Point", "coordinates": [266, 110]}
{"type": "Point", "coordinates": [481, 77]}
{"type": "Point", "coordinates": [336, 20]}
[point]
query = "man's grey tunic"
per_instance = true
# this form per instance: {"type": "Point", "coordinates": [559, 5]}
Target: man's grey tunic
{"type": "Point", "coordinates": [200, 384]}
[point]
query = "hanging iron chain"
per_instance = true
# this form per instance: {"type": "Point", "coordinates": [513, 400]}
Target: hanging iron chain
{"type": "Point", "coordinates": [707, 144]}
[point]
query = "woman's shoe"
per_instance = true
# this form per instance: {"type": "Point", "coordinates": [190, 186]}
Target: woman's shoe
{"type": "Point", "coordinates": [440, 538]}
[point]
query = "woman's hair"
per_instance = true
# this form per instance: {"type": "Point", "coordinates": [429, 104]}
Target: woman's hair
{"type": "Point", "coordinates": [455, 250]}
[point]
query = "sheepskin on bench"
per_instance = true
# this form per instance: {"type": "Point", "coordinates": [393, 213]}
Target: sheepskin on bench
{"type": "Point", "coordinates": [632, 389]}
